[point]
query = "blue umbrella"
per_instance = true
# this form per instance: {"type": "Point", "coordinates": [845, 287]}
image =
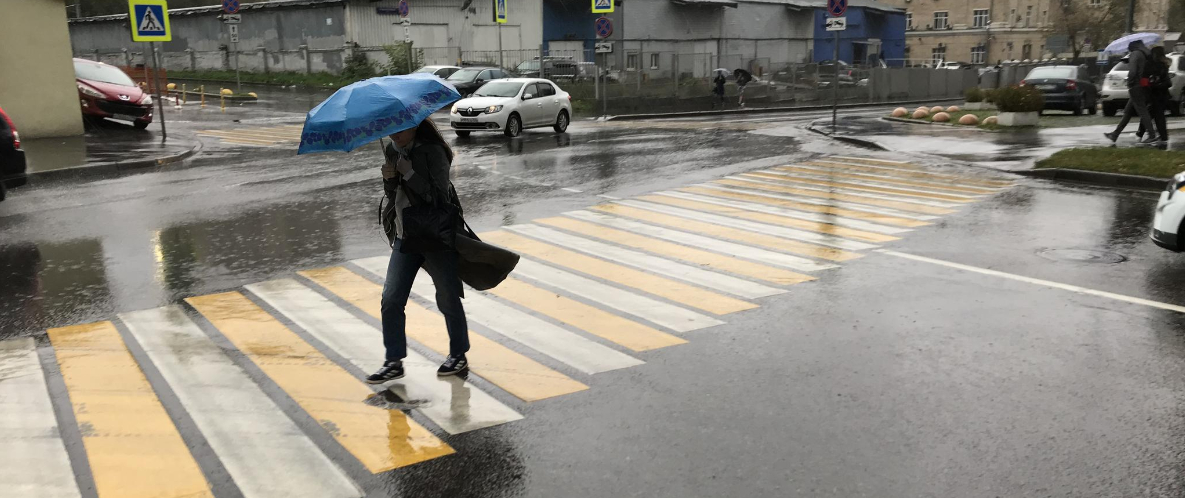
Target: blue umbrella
{"type": "Point", "coordinates": [362, 112]}
{"type": "Point", "coordinates": [1120, 45]}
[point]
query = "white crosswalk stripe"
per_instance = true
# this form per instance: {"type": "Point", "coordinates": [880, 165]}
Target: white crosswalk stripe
{"type": "Point", "coordinates": [33, 461]}
{"type": "Point", "coordinates": [824, 176]}
{"type": "Point", "coordinates": [821, 202]}
{"type": "Point", "coordinates": [847, 191]}
{"type": "Point", "coordinates": [790, 213]}
{"type": "Point", "coordinates": [253, 438]}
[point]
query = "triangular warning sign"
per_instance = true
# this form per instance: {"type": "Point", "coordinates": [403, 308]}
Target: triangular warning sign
{"type": "Point", "coordinates": [603, 4]}
{"type": "Point", "coordinates": [150, 23]}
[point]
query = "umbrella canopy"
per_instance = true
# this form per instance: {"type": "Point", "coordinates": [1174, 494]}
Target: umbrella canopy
{"type": "Point", "coordinates": [362, 112]}
{"type": "Point", "coordinates": [721, 70]}
{"type": "Point", "coordinates": [1120, 45]}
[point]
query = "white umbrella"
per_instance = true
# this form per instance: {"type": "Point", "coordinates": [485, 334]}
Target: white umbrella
{"type": "Point", "coordinates": [1120, 45]}
{"type": "Point", "coordinates": [721, 70]}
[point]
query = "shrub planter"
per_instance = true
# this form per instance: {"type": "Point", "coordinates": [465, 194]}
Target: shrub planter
{"type": "Point", "coordinates": [1018, 119]}
{"type": "Point", "coordinates": [978, 106]}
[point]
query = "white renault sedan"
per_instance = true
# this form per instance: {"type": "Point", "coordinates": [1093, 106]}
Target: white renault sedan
{"type": "Point", "coordinates": [1170, 216]}
{"type": "Point", "coordinates": [511, 106]}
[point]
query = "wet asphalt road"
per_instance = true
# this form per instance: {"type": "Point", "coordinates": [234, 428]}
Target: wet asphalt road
{"type": "Point", "coordinates": [886, 376]}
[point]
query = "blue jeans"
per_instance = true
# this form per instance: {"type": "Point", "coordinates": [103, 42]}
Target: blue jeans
{"type": "Point", "coordinates": [401, 272]}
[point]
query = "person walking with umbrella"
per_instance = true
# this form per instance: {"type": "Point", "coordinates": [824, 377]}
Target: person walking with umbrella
{"type": "Point", "coordinates": [1138, 92]}
{"type": "Point", "coordinates": [1160, 83]}
{"type": "Point", "coordinates": [743, 78]}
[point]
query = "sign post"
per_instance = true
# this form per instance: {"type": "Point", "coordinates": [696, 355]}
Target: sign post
{"type": "Point", "coordinates": [149, 20]}
{"type": "Point", "coordinates": [500, 18]}
{"type": "Point", "coordinates": [604, 27]}
{"type": "Point", "coordinates": [231, 7]}
{"type": "Point", "coordinates": [836, 9]}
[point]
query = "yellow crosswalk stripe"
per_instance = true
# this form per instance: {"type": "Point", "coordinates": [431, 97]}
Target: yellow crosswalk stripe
{"type": "Point", "coordinates": [675, 291]}
{"type": "Point", "coordinates": [704, 258]}
{"type": "Point", "coordinates": [132, 446]}
{"type": "Point", "coordinates": [257, 132]}
{"type": "Point", "coordinates": [381, 439]}
{"type": "Point", "coordinates": [806, 206]}
{"type": "Point", "coordinates": [909, 183]}
{"type": "Point", "coordinates": [879, 162]}
{"type": "Point", "coordinates": [728, 233]}
{"type": "Point", "coordinates": [772, 219]}
{"type": "Point", "coordinates": [608, 326]}
{"type": "Point", "coordinates": [856, 199]}
{"type": "Point", "coordinates": [925, 175]}
{"type": "Point", "coordinates": [853, 186]}
{"type": "Point", "coordinates": [247, 141]}
{"type": "Point", "coordinates": [517, 374]}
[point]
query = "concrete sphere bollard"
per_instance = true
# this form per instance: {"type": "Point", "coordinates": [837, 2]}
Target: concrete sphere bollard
{"type": "Point", "coordinates": [954, 108]}
{"type": "Point", "coordinates": [937, 108]}
{"type": "Point", "coordinates": [969, 119]}
{"type": "Point", "coordinates": [990, 120]}
{"type": "Point", "coordinates": [899, 112]}
{"type": "Point", "coordinates": [919, 114]}
{"type": "Point", "coordinates": [171, 86]}
{"type": "Point", "coordinates": [227, 91]}
{"type": "Point", "coordinates": [941, 117]}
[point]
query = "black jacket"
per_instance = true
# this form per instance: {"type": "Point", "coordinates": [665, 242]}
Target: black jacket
{"type": "Point", "coordinates": [1138, 60]}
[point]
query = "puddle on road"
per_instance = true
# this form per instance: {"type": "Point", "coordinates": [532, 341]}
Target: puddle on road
{"type": "Point", "coordinates": [388, 400]}
{"type": "Point", "coordinates": [1082, 256]}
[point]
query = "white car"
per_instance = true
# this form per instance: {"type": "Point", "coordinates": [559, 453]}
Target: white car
{"type": "Point", "coordinates": [1170, 213]}
{"type": "Point", "coordinates": [440, 71]}
{"type": "Point", "coordinates": [1114, 91]}
{"type": "Point", "coordinates": [511, 106]}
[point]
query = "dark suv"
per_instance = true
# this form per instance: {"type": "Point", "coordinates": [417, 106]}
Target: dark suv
{"type": "Point", "coordinates": [468, 79]}
{"type": "Point", "coordinates": [12, 158]}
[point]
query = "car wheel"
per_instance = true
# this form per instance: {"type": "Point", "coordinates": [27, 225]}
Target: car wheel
{"type": "Point", "coordinates": [140, 125]}
{"type": "Point", "coordinates": [461, 133]}
{"type": "Point", "coordinates": [1109, 110]}
{"type": "Point", "coordinates": [514, 126]}
{"type": "Point", "coordinates": [1078, 110]}
{"type": "Point", "coordinates": [1091, 107]}
{"type": "Point", "coordinates": [1181, 232]}
{"type": "Point", "coordinates": [4, 193]}
{"type": "Point", "coordinates": [561, 122]}
{"type": "Point", "coordinates": [1178, 108]}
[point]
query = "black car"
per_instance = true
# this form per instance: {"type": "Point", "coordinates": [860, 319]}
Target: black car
{"type": "Point", "coordinates": [12, 158]}
{"type": "Point", "coordinates": [469, 79]}
{"type": "Point", "coordinates": [1065, 87]}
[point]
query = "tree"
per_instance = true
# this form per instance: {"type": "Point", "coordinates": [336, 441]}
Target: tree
{"type": "Point", "coordinates": [1089, 21]}
{"type": "Point", "coordinates": [1176, 15]}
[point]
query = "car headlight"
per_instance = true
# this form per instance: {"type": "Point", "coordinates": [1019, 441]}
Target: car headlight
{"type": "Point", "coordinates": [86, 90]}
{"type": "Point", "coordinates": [453, 110]}
{"type": "Point", "coordinates": [493, 109]}
{"type": "Point", "coordinates": [1177, 184]}
{"type": "Point", "coordinates": [147, 100]}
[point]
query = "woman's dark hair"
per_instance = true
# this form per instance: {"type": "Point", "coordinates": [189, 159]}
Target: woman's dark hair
{"type": "Point", "coordinates": [427, 132]}
{"type": "Point", "coordinates": [1158, 52]}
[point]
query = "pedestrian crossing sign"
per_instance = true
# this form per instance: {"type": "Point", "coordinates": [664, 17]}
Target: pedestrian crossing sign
{"type": "Point", "coordinates": [149, 20]}
{"type": "Point", "coordinates": [603, 6]}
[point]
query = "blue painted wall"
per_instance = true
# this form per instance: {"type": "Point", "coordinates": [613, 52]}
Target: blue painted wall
{"type": "Point", "coordinates": [569, 20]}
{"type": "Point", "coordinates": [889, 27]}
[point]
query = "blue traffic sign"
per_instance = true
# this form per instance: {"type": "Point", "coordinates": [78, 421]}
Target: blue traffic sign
{"type": "Point", "coordinates": [837, 7]}
{"type": "Point", "coordinates": [230, 6]}
{"type": "Point", "coordinates": [604, 27]}
{"type": "Point", "coordinates": [403, 8]}
{"type": "Point", "coordinates": [149, 20]}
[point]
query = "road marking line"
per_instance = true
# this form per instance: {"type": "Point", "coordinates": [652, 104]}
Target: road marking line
{"type": "Point", "coordinates": [734, 234]}
{"type": "Point", "coordinates": [911, 173]}
{"type": "Point", "coordinates": [869, 199]}
{"type": "Point", "coordinates": [679, 292]}
{"type": "Point", "coordinates": [451, 403]}
{"type": "Point", "coordinates": [381, 439]}
{"type": "Point", "coordinates": [832, 208]}
{"type": "Point", "coordinates": [566, 347]}
{"type": "Point", "coordinates": [903, 164]}
{"type": "Point", "coordinates": [519, 375]}
{"type": "Point", "coordinates": [570, 189]}
{"type": "Point", "coordinates": [722, 262]}
{"type": "Point", "coordinates": [691, 274]}
{"type": "Point", "coordinates": [658, 312]}
{"type": "Point", "coordinates": [763, 228]}
{"type": "Point", "coordinates": [767, 217]}
{"type": "Point", "coordinates": [790, 213]}
{"type": "Point", "coordinates": [255, 134]}
{"type": "Point", "coordinates": [1036, 281]}
{"type": "Point", "coordinates": [603, 324]}
{"type": "Point", "coordinates": [729, 249]}
{"type": "Point", "coordinates": [908, 195]}
{"type": "Point", "coordinates": [608, 197]}
{"type": "Point", "coordinates": [252, 437]}
{"type": "Point", "coordinates": [788, 173]}
{"type": "Point", "coordinates": [248, 141]}
{"type": "Point", "coordinates": [831, 172]}
{"type": "Point", "coordinates": [34, 461]}
{"type": "Point", "coordinates": [133, 448]}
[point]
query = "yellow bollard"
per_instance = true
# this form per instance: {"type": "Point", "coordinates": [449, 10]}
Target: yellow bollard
{"type": "Point", "coordinates": [184, 94]}
{"type": "Point", "coordinates": [222, 101]}
{"type": "Point", "coordinates": [202, 92]}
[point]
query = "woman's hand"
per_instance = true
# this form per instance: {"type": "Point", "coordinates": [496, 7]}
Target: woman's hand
{"type": "Point", "coordinates": [388, 171]}
{"type": "Point", "coordinates": [403, 166]}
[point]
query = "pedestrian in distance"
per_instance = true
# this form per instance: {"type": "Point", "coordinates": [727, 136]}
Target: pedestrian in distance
{"type": "Point", "coordinates": [743, 78]}
{"type": "Point", "coordinates": [718, 89]}
{"type": "Point", "coordinates": [416, 171]}
{"type": "Point", "coordinates": [1160, 83]}
{"type": "Point", "coordinates": [1138, 92]}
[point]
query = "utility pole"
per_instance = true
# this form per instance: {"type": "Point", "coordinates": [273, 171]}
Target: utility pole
{"type": "Point", "coordinates": [1132, 6]}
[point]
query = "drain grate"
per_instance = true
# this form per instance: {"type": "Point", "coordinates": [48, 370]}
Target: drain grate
{"type": "Point", "coordinates": [1082, 256]}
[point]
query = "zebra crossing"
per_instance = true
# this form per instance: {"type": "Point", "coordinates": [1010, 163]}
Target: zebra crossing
{"type": "Point", "coordinates": [599, 290]}
{"type": "Point", "coordinates": [261, 136]}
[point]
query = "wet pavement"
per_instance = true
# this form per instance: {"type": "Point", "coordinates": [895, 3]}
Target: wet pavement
{"type": "Point", "coordinates": [885, 372]}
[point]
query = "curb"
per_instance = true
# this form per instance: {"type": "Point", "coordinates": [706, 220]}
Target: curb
{"type": "Point", "coordinates": [859, 142]}
{"type": "Point", "coordinates": [101, 169]}
{"type": "Point", "coordinates": [1096, 178]}
{"type": "Point", "coordinates": [761, 110]}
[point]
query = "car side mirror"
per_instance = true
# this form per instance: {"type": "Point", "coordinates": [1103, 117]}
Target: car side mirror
{"type": "Point", "coordinates": [527, 96]}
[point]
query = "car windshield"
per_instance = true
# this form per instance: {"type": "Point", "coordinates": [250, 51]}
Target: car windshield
{"type": "Point", "coordinates": [426, 69]}
{"type": "Point", "coordinates": [1051, 72]}
{"type": "Point", "coordinates": [1121, 66]}
{"type": "Point", "coordinates": [528, 66]}
{"type": "Point", "coordinates": [464, 75]}
{"type": "Point", "coordinates": [101, 73]}
{"type": "Point", "coordinates": [499, 89]}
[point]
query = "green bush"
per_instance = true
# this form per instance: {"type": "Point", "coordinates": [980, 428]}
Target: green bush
{"type": "Point", "coordinates": [973, 95]}
{"type": "Point", "coordinates": [358, 67]}
{"type": "Point", "coordinates": [1019, 99]}
{"type": "Point", "coordinates": [398, 56]}
{"type": "Point", "coordinates": [990, 95]}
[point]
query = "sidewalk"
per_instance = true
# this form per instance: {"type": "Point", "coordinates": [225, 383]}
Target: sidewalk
{"type": "Point", "coordinates": [105, 148]}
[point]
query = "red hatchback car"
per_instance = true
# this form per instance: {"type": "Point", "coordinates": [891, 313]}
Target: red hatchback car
{"type": "Point", "coordinates": [106, 92]}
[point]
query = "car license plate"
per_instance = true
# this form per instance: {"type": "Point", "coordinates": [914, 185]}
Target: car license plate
{"type": "Point", "coordinates": [1047, 87]}
{"type": "Point", "coordinates": [469, 120]}
{"type": "Point", "coordinates": [124, 117]}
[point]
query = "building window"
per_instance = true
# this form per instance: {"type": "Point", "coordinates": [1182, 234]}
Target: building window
{"type": "Point", "coordinates": [631, 62]}
{"type": "Point", "coordinates": [909, 20]}
{"type": "Point", "coordinates": [906, 55]}
{"type": "Point", "coordinates": [1043, 21]}
{"type": "Point", "coordinates": [654, 61]}
{"type": "Point", "coordinates": [1029, 15]}
{"type": "Point", "coordinates": [980, 18]}
{"type": "Point", "coordinates": [978, 53]}
{"type": "Point", "coordinates": [941, 20]}
{"type": "Point", "coordinates": [1013, 19]}
{"type": "Point", "coordinates": [938, 54]}
{"type": "Point", "coordinates": [1095, 3]}
{"type": "Point", "coordinates": [1027, 51]}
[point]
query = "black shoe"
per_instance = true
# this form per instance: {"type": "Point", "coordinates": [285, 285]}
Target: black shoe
{"type": "Point", "coordinates": [1148, 140]}
{"type": "Point", "coordinates": [1112, 136]}
{"type": "Point", "coordinates": [390, 370]}
{"type": "Point", "coordinates": [453, 365]}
